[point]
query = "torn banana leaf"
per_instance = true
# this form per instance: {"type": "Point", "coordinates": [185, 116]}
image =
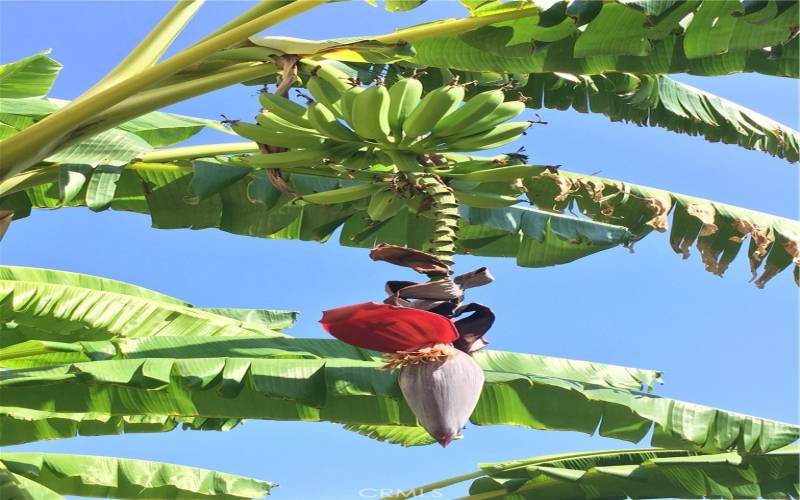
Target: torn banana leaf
{"type": "Point", "coordinates": [110, 477]}
{"type": "Point", "coordinates": [710, 37]}
{"type": "Point", "coordinates": [658, 101]}
{"type": "Point", "coordinates": [251, 206]}
{"type": "Point", "coordinates": [646, 473]}
{"type": "Point", "coordinates": [22, 425]}
{"type": "Point", "coordinates": [356, 392]}
{"type": "Point", "coordinates": [718, 229]}
{"type": "Point", "coordinates": [40, 304]}
{"type": "Point", "coordinates": [357, 49]}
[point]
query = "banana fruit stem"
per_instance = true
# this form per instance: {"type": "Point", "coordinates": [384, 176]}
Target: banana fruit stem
{"type": "Point", "coordinates": [445, 211]}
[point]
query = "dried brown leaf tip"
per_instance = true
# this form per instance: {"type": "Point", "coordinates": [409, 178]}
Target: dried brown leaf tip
{"type": "Point", "coordinates": [705, 213]}
{"type": "Point", "coordinates": [762, 238]}
{"type": "Point", "coordinates": [417, 260]}
{"type": "Point", "coordinates": [660, 207]}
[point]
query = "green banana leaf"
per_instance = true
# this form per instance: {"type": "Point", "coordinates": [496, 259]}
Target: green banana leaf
{"type": "Point", "coordinates": [22, 425]}
{"type": "Point", "coordinates": [109, 477]}
{"type": "Point", "coordinates": [40, 304]}
{"type": "Point", "coordinates": [659, 101]}
{"type": "Point", "coordinates": [711, 37]}
{"type": "Point", "coordinates": [32, 76]}
{"type": "Point", "coordinates": [636, 473]}
{"type": "Point", "coordinates": [247, 204]}
{"type": "Point", "coordinates": [357, 392]}
{"type": "Point", "coordinates": [648, 473]}
{"type": "Point", "coordinates": [16, 487]}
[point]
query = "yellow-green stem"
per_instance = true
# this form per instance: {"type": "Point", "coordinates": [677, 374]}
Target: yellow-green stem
{"type": "Point", "coordinates": [201, 151]}
{"type": "Point", "coordinates": [420, 490]}
{"type": "Point", "coordinates": [152, 47]}
{"type": "Point", "coordinates": [40, 140]}
{"type": "Point", "coordinates": [151, 100]}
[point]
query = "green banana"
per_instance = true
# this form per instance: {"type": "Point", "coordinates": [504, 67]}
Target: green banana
{"type": "Point", "coordinates": [336, 78]}
{"type": "Point", "coordinates": [326, 94]}
{"type": "Point", "coordinates": [404, 96]}
{"type": "Point", "coordinates": [284, 108]}
{"type": "Point", "coordinates": [384, 204]}
{"type": "Point", "coordinates": [499, 136]}
{"type": "Point", "coordinates": [346, 105]}
{"type": "Point", "coordinates": [271, 121]}
{"type": "Point", "coordinates": [370, 113]}
{"type": "Point", "coordinates": [473, 110]}
{"type": "Point", "coordinates": [434, 106]}
{"type": "Point", "coordinates": [263, 135]}
{"type": "Point", "coordinates": [491, 172]}
{"type": "Point", "coordinates": [504, 112]}
{"type": "Point", "coordinates": [288, 159]}
{"type": "Point", "coordinates": [342, 195]}
{"type": "Point", "coordinates": [485, 200]}
{"type": "Point", "coordinates": [325, 122]}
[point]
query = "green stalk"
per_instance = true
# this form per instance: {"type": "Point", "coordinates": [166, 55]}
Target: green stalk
{"type": "Point", "coordinates": [420, 490]}
{"type": "Point", "coordinates": [151, 100]}
{"type": "Point", "coordinates": [201, 151]}
{"type": "Point", "coordinates": [39, 141]}
{"type": "Point", "coordinates": [152, 47]}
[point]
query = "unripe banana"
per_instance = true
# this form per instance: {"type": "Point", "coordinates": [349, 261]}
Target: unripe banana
{"type": "Point", "coordinates": [288, 159]}
{"type": "Point", "coordinates": [263, 135]}
{"type": "Point", "coordinates": [404, 96]}
{"type": "Point", "coordinates": [370, 113]}
{"type": "Point", "coordinates": [346, 105]}
{"type": "Point", "coordinates": [271, 121]}
{"type": "Point", "coordinates": [336, 78]}
{"type": "Point", "coordinates": [326, 94]}
{"type": "Point", "coordinates": [325, 122]}
{"type": "Point", "coordinates": [485, 200]}
{"type": "Point", "coordinates": [434, 106]}
{"type": "Point", "coordinates": [499, 136]}
{"type": "Point", "coordinates": [384, 204]}
{"type": "Point", "coordinates": [473, 110]}
{"type": "Point", "coordinates": [342, 195]}
{"type": "Point", "coordinates": [504, 112]}
{"type": "Point", "coordinates": [285, 109]}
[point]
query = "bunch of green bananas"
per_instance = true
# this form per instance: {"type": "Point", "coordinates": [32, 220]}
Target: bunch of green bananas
{"type": "Point", "coordinates": [345, 121]}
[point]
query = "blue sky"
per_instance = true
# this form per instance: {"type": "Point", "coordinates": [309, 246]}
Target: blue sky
{"type": "Point", "coordinates": [720, 342]}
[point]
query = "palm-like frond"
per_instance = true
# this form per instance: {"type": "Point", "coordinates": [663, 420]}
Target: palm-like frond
{"type": "Point", "coordinates": [572, 36]}
{"type": "Point", "coordinates": [638, 473]}
{"type": "Point", "coordinates": [109, 477]}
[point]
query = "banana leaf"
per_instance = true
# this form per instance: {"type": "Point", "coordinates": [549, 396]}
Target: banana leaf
{"type": "Point", "coordinates": [659, 101]}
{"type": "Point", "coordinates": [32, 76]}
{"type": "Point", "coordinates": [636, 473]}
{"type": "Point", "coordinates": [21, 425]}
{"type": "Point", "coordinates": [357, 392]}
{"type": "Point", "coordinates": [110, 477]}
{"type": "Point", "coordinates": [165, 192]}
{"type": "Point", "coordinates": [647, 473]}
{"type": "Point", "coordinates": [712, 37]}
{"type": "Point", "coordinates": [40, 304]}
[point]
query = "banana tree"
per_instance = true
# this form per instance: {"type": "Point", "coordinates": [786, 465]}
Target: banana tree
{"type": "Point", "coordinates": [153, 362]}
{"type": "Point", "coordinates": [601, 57]}
{"type": "Point", "coordinates": [90, 356]}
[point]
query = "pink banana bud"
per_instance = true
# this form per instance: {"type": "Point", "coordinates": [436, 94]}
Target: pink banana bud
{"type": "Point", "coordinates": [442, 393]}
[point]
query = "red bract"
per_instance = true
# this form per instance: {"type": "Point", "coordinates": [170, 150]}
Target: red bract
{"type": "Point", "coordinates": [386, 328]}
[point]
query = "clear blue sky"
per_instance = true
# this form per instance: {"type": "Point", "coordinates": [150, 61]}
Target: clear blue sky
{"type": "Point", "coordinates": [720, 342]}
